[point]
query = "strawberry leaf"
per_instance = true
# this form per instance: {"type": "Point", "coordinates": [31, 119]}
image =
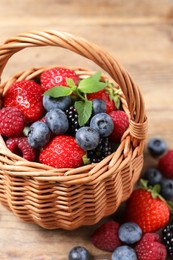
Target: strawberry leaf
{"type": "Point", "coordinates": [84, 110]}
{"type": "Point", "coordinates": [91, 85]}
{"type": "Point", "coordinates": [96, 76]}
{"type": "Point", "coordinates": [71, 83]}
{"type": "Point", "coordinates": [59, 91]}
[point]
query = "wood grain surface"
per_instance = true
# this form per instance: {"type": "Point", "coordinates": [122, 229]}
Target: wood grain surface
{"type": "Point", "coordinates": [139, 34]}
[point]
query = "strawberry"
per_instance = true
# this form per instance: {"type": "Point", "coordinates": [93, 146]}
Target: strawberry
{"type": "Point", "coordinates": [121, 123]}
{"type": "Point", "coordinates": [150, 248]}
{"type": "Point", "coordinates": [57, 77]}
{"type": "Point", "coordinates": [165, 164]}
{"type": "Point", "coordinates": [62, 152]}
{"type": "Point", "coordinates": [106, 236]}
{"type": "Point", "coordinates": [147, 209]}
{"type": "Point", "coordinates": [26, 95]}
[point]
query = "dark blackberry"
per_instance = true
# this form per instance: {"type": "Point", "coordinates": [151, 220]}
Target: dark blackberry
{"type": "Point", "coordinates": [72, 117]}
{"type": "Point", "coordinates": [101, 151]}
{"type": "Point", "coordinates": [167, 236]}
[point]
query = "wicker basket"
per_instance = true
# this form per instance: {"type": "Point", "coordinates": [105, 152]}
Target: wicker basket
{"type": "Point", "coordinates": [70, 198]}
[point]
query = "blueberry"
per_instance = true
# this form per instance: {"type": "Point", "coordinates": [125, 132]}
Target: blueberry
{"type": "Point", "coordinates": [103, 123]}
{"type": "Point", "coordinates": [57, 121]}
{"type": "Point", "coordinates": [38, 135]}
{"type": "Point", "coordinates": [62, 103]}
{"type": "Point", "coordinates": [99, 106]}
{"type": "Point", "coordinates": [167, 189]}
{"type": "Point", "coordinates": [79, 253]}
{"type": "Point", "coordinates": [157, 146]}
{"type": "Point", "coordinates": [153, 176]}
{"type": "Point", "coordinates": [124, 253]}
{"type": "Point", "coordinates": [87, 138]}
{"type": "Point", "coordinates": [129, 233]}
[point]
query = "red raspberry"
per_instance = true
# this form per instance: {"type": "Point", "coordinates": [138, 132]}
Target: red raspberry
{"type": "Point", "coordinates": [121, 123]}
{"type": "Point", "coordinates": [165, 164]}
{"type": "Point", "coordinates": [12, 121]}
{"type": "Point", "coordinates": [149, 248]}
{"type": "Point", "coordinates": [57, 77]}
{"type": "Point", "coordinates": [21, 147]}
{"type": "Point", "coordinates": [106, 236]}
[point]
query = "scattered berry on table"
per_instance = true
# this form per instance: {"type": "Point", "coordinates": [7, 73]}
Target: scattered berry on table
{"type": "Point", "coordinates": [157, 146]}
{"type": "Point", "coordinates": [106, 236]}
{"type": "Point", "coordinates": [99, 106]}
{"type": "Point", "coordinates": [124, 253]}
{"type": "Point", "coordinates": [103, 149]}
{"type": "Point", "coordinates": [57, 77]}
{"type": "Point", "coordinates": [26, 95]}
{"type": "Point", "coordinates": [62, 152]}
{"type": "Point", "coordinates": [12, 121]}
{"type": "Point", "coordinates": [79, 253]}
{"type": "Point", "coordinates": [167, 238]}
{"type": "Point", "coordinates": [57, 121]}
{"type": "Point", "coordinates": [72, 117]}
{"type": "Point", "coordinates": [153, 176]}
{"type": "Point", "coordinates": [21, 147]}
{"type": "Point", "coordinates": [129, 233]}
{"type": "Point", "coordinates": [38, 135]}
{"type": "Point", "coordinates": [167, 189]}
{"type": "Point", "coordinates": [165, 164]}
{"type": "Point", "coordinates": [103, 123]}
{"type": "Point", "coordinates": [150, 248]}
{"type": "Point", "coordinates": [121, 123]}
{"type": "Point", "coordinates": [62, 103]}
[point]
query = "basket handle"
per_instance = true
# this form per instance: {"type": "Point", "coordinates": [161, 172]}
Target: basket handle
{"type": "Point", "coordinates": [138, 122]}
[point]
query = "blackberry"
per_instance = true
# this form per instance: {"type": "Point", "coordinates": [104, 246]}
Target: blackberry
{"type": "Point", "coordinates": [101, 151]}
{"type": "Point", "coordinates": [167, 236]}
{"type": "Point", "coordinates": [72, 117]}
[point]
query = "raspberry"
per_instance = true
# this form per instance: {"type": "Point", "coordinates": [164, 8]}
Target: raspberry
{"type": "Point", "coordinates": [165, 164]}
{"type": "Point", "coordinates": [21, 147]}
{"type": "Point", "coordinates": [12, 121]}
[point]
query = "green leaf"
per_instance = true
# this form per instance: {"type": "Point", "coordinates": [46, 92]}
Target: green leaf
{"type": "Point", "coordinates": [91, 85]}
{"type": "Point", "coordinates": [59, 91]}
{"type": "Point", "coordinates": [71, 83]}
{"type": "Point", "coordinates": [86, 160]}
{"type": "Point", "coordinates": [84, 110]}
{"type": "Point", "coordinates": [96, 76]}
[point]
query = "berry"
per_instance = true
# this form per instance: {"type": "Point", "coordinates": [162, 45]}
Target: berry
{"type": "Point", "coordinates": [106, 236]}
{"type": "Point", "coordinates": [150, 248]}
{"type": "Point", "coordinates": [157, 146]}
{"type": "Point", "coordinates": [62, 152]}
{"type": "Point", "coordinates": [165, 164]}
{"type": "Point", "coordinates": [26, 95]}
{"type": "Point", "coordinates": [167, 238]}
{"type": "Point", "coordinates": [72, 117]}
{"type": "Point", "coordinates": [38, 135]}
{"type": "Point", "coordinates": [124, 253]}
{"type": "Point", "coordinates": [57, 121]}
{"type": "Point", "coordinates": [21, 147]}
{"type": "Point", "coordinates": [99, 106]}
{"type": "Point", "coordinates": [167, 189]}
{"type": "Point", "coordinates": [87, 138]}
{"type": "Point", "coordinates": [79, 253]}
{"type": "Point", "coordinates": [145, 208]}
{"type": "Point", "coordinates": [121, 123]}
{"type": "Point", "coordinates": [62, 103]}
{"type": "Point", "coordinates": [153, 176]}
{"type": "Point", "coordinates": [129, 233]}
{"type": "Point", "coordinates": [12, 121]}
{"type": "Point", "coordinates": [57, 77]}
{"type": "Point", "coordinates": [103, 123]}
{"type": "Point", "coordinates": [102, 150]}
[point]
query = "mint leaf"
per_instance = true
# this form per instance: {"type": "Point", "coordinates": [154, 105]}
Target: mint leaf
{"type": "Point", "coordinates": [59, 91]}
{"type": "Point", "coordinates": [96, 76]}
{"type": "Point", "coordinates": [71, 83]}
{"type": "Point", "coordinates": [90, 85]}
{"type": "Point", "coordinates": [84, 110]}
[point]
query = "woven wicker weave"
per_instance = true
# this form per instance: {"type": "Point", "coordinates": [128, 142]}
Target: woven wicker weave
{"type": "Point", "coordinates": [69, 198]}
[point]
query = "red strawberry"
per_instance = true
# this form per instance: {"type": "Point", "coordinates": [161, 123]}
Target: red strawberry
{"type": "Point", "coordinates": [121, 123]}
{"type": "Point", "coordinates": [62, 152]}
{"type": "Point", "coordinates": [57, 77]}
{"type": "Point", "coordinates": [165, 164]}
{"type": "Point", "coordinates": [149, 248]}
{"type": "Point", "coordinates": [26, 95]}
{"type": "Point", "coordinates": [106, 236]}
{"type": "Point", "coordinates": [12, 121]}
{"type": "Point", "coordinates": [21, 147]}
{"type": "Point", "coordinates": [102, 94]}
{"type": "Point", "coordinates": [147, 209]}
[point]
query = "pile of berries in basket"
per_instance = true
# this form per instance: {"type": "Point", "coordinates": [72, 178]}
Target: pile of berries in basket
{"type": "Point", "coordinates": [62, 120]}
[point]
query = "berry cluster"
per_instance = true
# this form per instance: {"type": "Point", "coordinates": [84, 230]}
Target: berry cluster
{"type": "Point", "coordinates": [62, 120]}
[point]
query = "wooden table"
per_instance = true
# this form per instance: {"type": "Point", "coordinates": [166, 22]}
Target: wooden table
{"type": "Point", "coordinates": [140, 35]}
